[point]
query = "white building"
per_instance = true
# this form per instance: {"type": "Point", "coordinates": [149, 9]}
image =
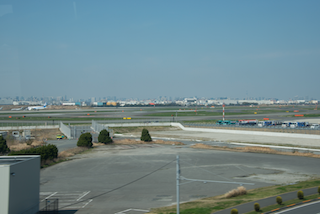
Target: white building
{"type": "Point", "coordinates": [20, 184]}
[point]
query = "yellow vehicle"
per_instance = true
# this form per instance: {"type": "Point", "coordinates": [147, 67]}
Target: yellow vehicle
{"type": "Point", "coordinates": [59, 136]}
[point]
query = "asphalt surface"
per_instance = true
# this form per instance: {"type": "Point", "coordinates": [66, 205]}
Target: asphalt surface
{"type": "Point", "coordinates": [248, 207]}
{"type": "Point", "coordinates": [135, 112]}
{"type": "Point", "coordinates": [63, 144]}
{"type": "Point", "coordinates": [312, 208]}
{"type": "Point", "coordinates": [234, 137]}
{"type": "Point", "coordinates": [94, 182]}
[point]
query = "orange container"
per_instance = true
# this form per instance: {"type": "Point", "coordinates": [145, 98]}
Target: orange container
{"type": "Point", "coordinates": [10, 116]}
{"type": "Point", "coordinates": [299, 115]}
{"type": "Point", "coordinates": [265, 118]}
{"type": "Point", "coordinates": [88, 114]}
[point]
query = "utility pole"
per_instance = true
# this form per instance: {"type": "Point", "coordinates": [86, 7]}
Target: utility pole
{"type": "Point", "coordinates": [179, 177]}
{"type": "Point", "coordinates": [178, 185]}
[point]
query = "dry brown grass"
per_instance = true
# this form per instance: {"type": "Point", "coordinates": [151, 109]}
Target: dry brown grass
{"type": "Point", "coordinates": [132, 141]}
{"type": "Point", "coordinates": [18, 147]}
{"type": "Point", "coordinates": [236, 192]}
{"type": "Point", "coordinates": [138, 130]}
{"type": "Point", "coordinates": [167, 142]}
{"type": "Point", "coordinates": [71, 152]}
{"type": "Point", "coordinates": [255, 149]}
{"type": "Point", "coordinates": [45, 134]}
{"type": "Point", "coordinates": [97, 144]}
{"type": "Point", "coordinates": [37, 143]}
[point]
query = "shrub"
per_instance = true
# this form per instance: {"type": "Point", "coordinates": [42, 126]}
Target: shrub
{"type": "Point", "coordinates": [3, 146]}
{"type": "Point", "coordinates": [241, 190]}
{"type": "Point", "coordinates": [256, 207]}
{"type": "Point", "coordinates": [234, 211]}
{"type": "Point", "coordinates": [279, 200]}
{"type": "Point", "coordinates": [47, 152]}
{"type": "Point", "coordinates": [104, 137]}
{"type": "Point", "coordinates": [85, 140]}
{"type": "Point", "coordinates": [145, 136]}
{"type": "Point", "coordinates": [300, 195]}
{"type": "Point", "coordinates": [319, 190]}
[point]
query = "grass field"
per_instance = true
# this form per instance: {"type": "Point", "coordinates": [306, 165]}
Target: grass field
{"type": "Point", "coordinates": [284, 204]}
{"type": "Point", "coordinates": [57, 118]}
{"type": "Point", "coordinates": [213, 204]}
{"type": "Point", "coordinates": [214, 113]}
{"type": "Point", "coordinates": [305, 115]}
{"type": "Point", "coordinates": [57, 112]}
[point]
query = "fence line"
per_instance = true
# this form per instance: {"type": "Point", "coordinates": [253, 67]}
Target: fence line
{"type": "Point", "coordinates": [305, 130]}
{"type": "Point", "coordinates": [65, 130]}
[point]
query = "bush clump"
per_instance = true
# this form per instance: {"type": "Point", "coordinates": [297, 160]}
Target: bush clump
{"type": "Point", "coordinates": [256, 207]}
{"type": "Point", "coordinates": [300, 195]}
{"type": "Point", "coordinates": [319, 190]}
{"type": "Point", "coordinates": [279, 200]}
{"type": "Point", "coordinates": [234, 211]}
{"type": "Point", "coordinates": [85, 140]}
{"type": "Point", "coordinates": [47, 152]}
{"type": "Point", "coordinates": [3, 146]}
{"type": "Point", "coordinates": [145, 136]}
{"type": "Point", "coordinates": [241, 190]}
{"type": "Point", "coordinates": [104, 137]}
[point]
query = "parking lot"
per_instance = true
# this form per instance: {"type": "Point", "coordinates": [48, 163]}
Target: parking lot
{"type": "Point", "coordinates": [109, 179]}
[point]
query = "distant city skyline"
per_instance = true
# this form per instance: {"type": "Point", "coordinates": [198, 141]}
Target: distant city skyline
{"type": "Point", "coordinates": [167, 98]}
{"type": "Point", "coordinates": [144, 49]}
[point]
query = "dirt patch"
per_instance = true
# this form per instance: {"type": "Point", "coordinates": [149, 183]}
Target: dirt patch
{"type": "Point", "coordinates": [236, 192]}
{"type": "Point", "coordinates": [97, 144]}
{"type": "Point", "coordinates": [132, 141]}
{"type": "Point", "coordinates": [71, 152]}
{"type": "Point", "coordinates": [45, 134]}
{"type": "Point", "coordinates": [137, 130]}
{"type": "Point", "coordinates": [254, 149]}
{"type": "Point", "coordinates": [18, 147]}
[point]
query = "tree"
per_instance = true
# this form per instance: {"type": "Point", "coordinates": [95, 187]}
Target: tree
{"type": "Point", "coordinates": [145, 136]}
{"type": "Point", "coordinates": [104, 137]}
{"type": "Point", "coordinates": [3, 146]}
{"type": "Point", "coordinates": [279, 200]}
{"type": "Point", "coordinates": [85, 140]}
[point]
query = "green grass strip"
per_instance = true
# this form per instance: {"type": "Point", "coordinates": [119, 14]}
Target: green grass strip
{"type": "Point", "coordinates": [284, 204]}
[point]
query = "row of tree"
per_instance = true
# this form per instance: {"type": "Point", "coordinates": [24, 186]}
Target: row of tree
{"type": "Point", "coordinates": [85, 139]}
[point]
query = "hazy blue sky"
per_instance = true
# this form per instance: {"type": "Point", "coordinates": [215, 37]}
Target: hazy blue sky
{"type": "Point", "coordinates": [150, 48]}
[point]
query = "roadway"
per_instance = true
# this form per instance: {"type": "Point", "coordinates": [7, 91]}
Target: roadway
{"type": "Point", "coordinates": [109, 167]}
{"type": "Point", "coordinates": [310, 208]}
{"type": "Point", "coordinates": [67, 117]}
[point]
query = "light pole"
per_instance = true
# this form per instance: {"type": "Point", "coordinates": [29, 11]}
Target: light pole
{"type": "Point", "coordinates": [178, 185]}
{"type": "Point", "coordinates": [179, 177]}
{"type": "Point", "coordinates": [223, 111]}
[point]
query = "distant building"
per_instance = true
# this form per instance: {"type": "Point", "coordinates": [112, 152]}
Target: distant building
{"type": "Point", "coordinates": [6, 101]}
{"type": "Point", "coordinates": [68, 104]}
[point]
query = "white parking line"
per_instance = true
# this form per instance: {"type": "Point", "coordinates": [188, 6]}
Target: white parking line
{"type": "Point", "coordinates": [86, 193]}
{"type": "Point", "coordinates": [87, 203]}
{"type": "Point", "coordinates": [50, 196]}
{"type": "Point", "coordinates": [137, 210]}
